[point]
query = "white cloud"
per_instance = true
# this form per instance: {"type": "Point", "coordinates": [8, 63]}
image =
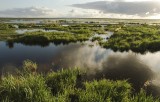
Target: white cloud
{"type": "Point", "coordinates": [81, 13]}
{"type": "Point", "coordinates": [128, 0]}
{"type": "Point", "coordinates": [51, 13]}
{"type": "Point", "coordinates": [30, 12]}
{"type": "Point", "coordinates": [123, 7]}
{"type": "Point", "coordinates": [76, 12]}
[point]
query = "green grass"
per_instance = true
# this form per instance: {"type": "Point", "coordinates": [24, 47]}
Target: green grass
{"type": "Point", "coordinates": [135, 37]}
{"type": "Point", "coordinates": [68, 85]}
{"type": "Point", "coordinates": [5, 26]}
{"type": "Point", "coordinates": [106, 91]}
{"type": "Point", "coordinates": [9, 31]}
{"type": "Point", "coordinates": [62, 80]}
{"type": "Point", "coordinates": [70, 34]}
{"type": "Point", "coordinates": [113, 27]}
{"type": "Point", "coordinates": [97, 39]}
{"type": "Point", "coordinates": [24, 88]}
{"type": "Point", "coordinates": [44, 38]}
{"type": "Point", "coordinates": [7, 37]}
{"type": "Point", "coordinates": [76, 28]}
{"type": "Point", "coordinates": [142, 97]}
{"type": "Point", "coordinates": [138, 38]}
{"type": "Point", "coordinates": [40, 37]}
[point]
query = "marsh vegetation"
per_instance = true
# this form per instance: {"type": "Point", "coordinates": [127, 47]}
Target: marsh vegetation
{"type": "Point", "coordinates": [135, 37]}
{"type": "Point", "coordinates": [106, 70]}
{"type": "Point", "coordinates": [138, 38]}
{"type": "Point", "coordinates": [69, 34]}
{"type": "Point", "coordinates": [65, 86]}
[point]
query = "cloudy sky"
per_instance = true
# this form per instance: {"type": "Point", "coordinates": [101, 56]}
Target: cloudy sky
{"type": "Point", "coordinates": [81, 8]}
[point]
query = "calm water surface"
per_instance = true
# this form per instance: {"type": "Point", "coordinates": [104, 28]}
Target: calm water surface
{"type": "Point", "coordinates": [69, 55]}
{"type": "Point", "coordinates": [98, 62]}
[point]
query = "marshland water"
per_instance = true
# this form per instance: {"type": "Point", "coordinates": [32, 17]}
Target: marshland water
{"type": "Point", "coordinates": [99, 62]}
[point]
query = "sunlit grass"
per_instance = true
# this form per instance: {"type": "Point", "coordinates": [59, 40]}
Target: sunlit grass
{"type": "Point", "coordinates": [68, 85]}
{"type": "Point", "coordinates": [138, 38]}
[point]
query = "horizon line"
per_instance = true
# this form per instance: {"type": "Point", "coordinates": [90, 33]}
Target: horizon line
{"type": "Point", "coordinates": [74, 18]}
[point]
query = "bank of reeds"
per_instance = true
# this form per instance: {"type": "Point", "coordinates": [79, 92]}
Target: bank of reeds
{"type": "Point", "coordinates": [64, 86]}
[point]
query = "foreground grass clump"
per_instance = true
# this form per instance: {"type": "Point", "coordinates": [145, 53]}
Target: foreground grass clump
{"type": "Point", "coordinates": [25, 88]}
{"type": "Point", "coordinates": [106, 91]}
{"type": "Point", "coordinates": [29, 66]}
{"type": "Point", "coordinates": [61, 80]}
{"type": "Point", "coordinates": [69, 85]}
{"type": "Point", "coordinates": [142, 97]}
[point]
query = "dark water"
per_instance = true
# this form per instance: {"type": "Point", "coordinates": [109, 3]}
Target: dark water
{"type": "Point", "coordinates": [99, 62]}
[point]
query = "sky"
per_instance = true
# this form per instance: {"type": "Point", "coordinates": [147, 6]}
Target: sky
{"type": "Point", "coordinates": [138, 9]}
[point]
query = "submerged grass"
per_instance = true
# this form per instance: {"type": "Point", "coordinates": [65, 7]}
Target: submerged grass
{"type": "Point", "coordinates": [65, 86]}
